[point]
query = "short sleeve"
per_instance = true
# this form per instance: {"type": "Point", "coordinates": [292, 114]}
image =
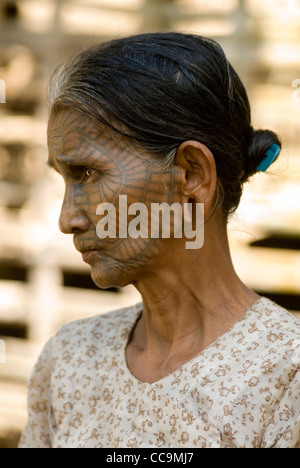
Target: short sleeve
{"type": "Point", "coordinates": [283, 430]}
{"type": "Point", "coordinates": [38, 430]}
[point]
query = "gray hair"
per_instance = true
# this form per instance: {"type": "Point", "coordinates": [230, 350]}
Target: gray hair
{"type": "Point", "coordinates": [159, 90]}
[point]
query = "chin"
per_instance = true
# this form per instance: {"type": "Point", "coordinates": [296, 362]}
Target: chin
{"type": "Point", "coordinates": [109, 278]}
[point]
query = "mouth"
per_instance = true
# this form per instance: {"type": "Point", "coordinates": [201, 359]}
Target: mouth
{"type": "Point", "coordinates": [85, 251]}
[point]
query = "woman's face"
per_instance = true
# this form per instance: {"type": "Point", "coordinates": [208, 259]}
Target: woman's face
{"type": "Point", "coordinates": [97, 170]}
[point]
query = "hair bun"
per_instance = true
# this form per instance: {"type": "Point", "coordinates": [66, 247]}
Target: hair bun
{"type": "Point", "coordinates": [259, 144]}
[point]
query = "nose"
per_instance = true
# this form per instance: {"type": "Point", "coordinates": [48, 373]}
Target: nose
{"type": "Point", "coordinates": [72, 217]}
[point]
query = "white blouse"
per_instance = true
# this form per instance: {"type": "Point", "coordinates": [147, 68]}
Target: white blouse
{"type": "Point", "coordinates": [242, 391]}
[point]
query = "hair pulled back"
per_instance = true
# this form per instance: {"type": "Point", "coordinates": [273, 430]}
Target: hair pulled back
{"type": "Point", "coordinates": [162, 89]}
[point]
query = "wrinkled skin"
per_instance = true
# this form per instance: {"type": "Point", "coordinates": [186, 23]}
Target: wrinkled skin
{"type": "Point", "coordinates": [96, 170]}
{"type": "Point", "coordinates": [190, 297]}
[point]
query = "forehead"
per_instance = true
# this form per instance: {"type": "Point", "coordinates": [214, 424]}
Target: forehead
{"type": "Point", "coordinates": [78, 136]}
{"type": "Point", "coordinates": [80, 139]}
{"type": "Point", "coordinates": [71, 127]}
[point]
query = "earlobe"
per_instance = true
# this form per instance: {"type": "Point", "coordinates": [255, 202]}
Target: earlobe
{"type": "Point", "coordinates": [187, 213]}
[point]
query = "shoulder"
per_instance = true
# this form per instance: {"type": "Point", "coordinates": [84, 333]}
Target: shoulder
{"type": "Point", "coordinates": [275, 318]}
{"type": "Point", "coordinates": [275, 331]}
{"type": "Point", "coordinates": [99, 329]}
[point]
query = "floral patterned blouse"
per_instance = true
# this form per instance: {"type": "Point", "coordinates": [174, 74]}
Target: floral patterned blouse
{"type": "Point", "coordinates": [243, 391]}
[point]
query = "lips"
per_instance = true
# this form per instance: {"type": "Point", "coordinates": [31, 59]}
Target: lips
{"type": "Point", "coordinates": [84, 249]}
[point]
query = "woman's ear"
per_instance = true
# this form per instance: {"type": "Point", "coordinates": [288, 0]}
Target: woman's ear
{"type": "Point", "coordinates": [200, 174]}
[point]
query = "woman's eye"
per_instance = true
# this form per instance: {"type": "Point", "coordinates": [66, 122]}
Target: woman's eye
{"type": "Point", "coordinates": [86, 174]}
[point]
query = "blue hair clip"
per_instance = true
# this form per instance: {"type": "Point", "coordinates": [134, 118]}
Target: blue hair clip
{"type": "Point", "coordinates": [271, 156]}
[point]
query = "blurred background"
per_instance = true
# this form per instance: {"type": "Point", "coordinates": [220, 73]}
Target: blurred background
{"type": "Point", "coordinates": [43, 281]}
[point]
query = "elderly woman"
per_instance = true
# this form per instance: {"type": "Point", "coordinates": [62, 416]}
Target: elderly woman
{"type": "Point", "coordinates": [203, 361]}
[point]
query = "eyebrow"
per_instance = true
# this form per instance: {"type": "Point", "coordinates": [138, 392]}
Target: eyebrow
{"type": "Point", "coordinates": [67, 160]}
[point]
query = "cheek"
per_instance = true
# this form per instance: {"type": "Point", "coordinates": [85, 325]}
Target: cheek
{"type": "Point", "coordinates": [130, 196]}
{"type": "Point", "coordinates": [106, 190]}
{"type": "Point", "coordinates": [112, 187]}
{"type": "Point", "coordinates": [121, 259]}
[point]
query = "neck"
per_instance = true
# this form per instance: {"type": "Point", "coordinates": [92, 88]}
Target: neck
{"type": "Point", "coordinates": [189, 307]}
